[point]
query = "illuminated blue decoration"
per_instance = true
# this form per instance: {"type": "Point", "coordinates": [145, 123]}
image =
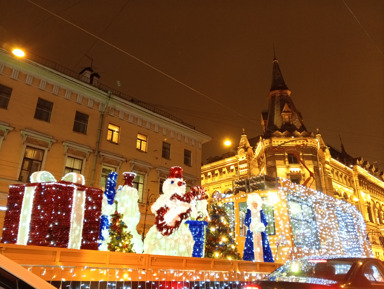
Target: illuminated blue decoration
{"type": "Point", "coordinates": [109, 194]}
{"type": "Point", "coordinates": [197, 229]}
{"type": "Point", "coordinates": [110, 187]}
{"type": "Point", "coordinates": [104, 225]}
{"type": "Point", "coordinates": [249, 253]}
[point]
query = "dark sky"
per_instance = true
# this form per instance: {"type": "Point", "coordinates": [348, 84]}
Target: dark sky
{"type": "Point", "coordinates": [210, 62]}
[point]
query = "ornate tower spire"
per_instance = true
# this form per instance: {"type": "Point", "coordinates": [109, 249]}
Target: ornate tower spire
{"type": "Point", "coordinates": [282, 117]}
{"type": "Point", "coordinates": [278, 82]}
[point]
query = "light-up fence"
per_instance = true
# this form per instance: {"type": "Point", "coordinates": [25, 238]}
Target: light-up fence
{"type": "Point", "coordinates": [71, 268]}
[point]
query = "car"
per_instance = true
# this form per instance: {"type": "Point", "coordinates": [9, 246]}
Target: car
{"type": "Point", "coordinates": [13, 275]}
{"type": "Point", "coordinates": [325, 273]}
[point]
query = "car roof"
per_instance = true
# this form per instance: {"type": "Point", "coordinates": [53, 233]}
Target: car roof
{"type": "Point", "coordinates": [339, 258]}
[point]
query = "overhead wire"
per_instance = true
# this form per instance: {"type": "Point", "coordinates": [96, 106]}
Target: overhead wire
{"type": "Point", "coordinates": [362, 27]}
{"type": "Point", "coordinates": [141, 61]}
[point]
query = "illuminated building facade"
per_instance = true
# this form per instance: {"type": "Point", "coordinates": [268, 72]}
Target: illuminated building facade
{"type": "Point", "coordinates": [58, 121]}
{"type": "Point", "coordinates": [288, 151]}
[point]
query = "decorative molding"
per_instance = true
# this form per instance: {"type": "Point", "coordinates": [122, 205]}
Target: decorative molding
{"type": "Point", "coordinates": [15, 74]}
{"type": "Point", "coordinates": [42, 84]}
{"type": "Point", "coordinates": [90, 102]}
{"type": "Point", "coordinates": [55, 89]}
{"type": "Point", "coordinates": [79, 98]}
{"type": "Point", "coordinates": [140, 165]}
{"type": "Point", "coordinates": [118, 158]}
{"type": "Point", "coordinates": [5, 128]}
{"type": "Point", "coordinates": [76, 146]}
{"type": "Point", "coordinates": [162, 171]}
{"type": "Point", "coordinates": [28, 133]}
{"type": "Point", "coordinates": [29, 79]}
{"type": "Point", "coordinates": [67, 94]}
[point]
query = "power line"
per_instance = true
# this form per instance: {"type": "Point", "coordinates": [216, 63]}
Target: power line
{"type": "Point", "coordinates": [139, 60]}
{"type": "Point", "coordinates": [362, 27]}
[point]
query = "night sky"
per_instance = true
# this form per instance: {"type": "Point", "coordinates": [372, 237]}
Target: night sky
{"type": "Point", "coordinates": [210, 62]}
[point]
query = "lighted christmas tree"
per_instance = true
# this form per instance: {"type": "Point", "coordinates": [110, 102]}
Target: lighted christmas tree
{"type": "Point", "coordinates": [220, 243]}
{"type": "Point", "coordinates": [120, 237]}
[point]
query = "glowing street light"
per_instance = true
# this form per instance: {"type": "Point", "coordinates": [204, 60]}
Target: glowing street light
{"type": "Point", "coordinates": [227, 143]}
{"type": "Point", "coordinates": [18, 52]}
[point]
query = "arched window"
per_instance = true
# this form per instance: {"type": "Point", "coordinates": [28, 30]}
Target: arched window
{"type": "Point", "coordinates": [377, 213]}
{"type": "Point", "coordinates": [369, 212]}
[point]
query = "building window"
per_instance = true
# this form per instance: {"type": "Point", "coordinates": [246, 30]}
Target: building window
{"type": "Point", "coordinates": [138, 183]}
{"type": "Point", "coordinates": [81, 122]}
{"type": "Point", "coordinates": [32, 162]}
{"type": "Point", "coordinates": [369, 211]}
{"type": "Point", "coordinates": [161, 182]}
{"type": "Point", "coordinates": [303, 223]}
{"type": "Point", "coordinates": [5, 95]}
{"type": "Point", "coordinates": [43, 109]}
{"type": "Point", "coordinates": [105, 171]}
{"type": "Point", "coordinates": [292, 159]}
{"type": "Point", "coordinates": [113, 133]}
{"type": "Point", "coordinates": [73, 165]}
{"type": "Point", "coordinates": [142, 142]}
{"type": "Point", "coordinates": [187, 157]}
{"type": "Point", "coordinates": [166, 152]}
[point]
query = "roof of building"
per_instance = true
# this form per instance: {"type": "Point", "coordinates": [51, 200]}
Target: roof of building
{"type": "Point", "coordinates": [282, 117]}
{"type": "Point", "coordinates": [278, 82]}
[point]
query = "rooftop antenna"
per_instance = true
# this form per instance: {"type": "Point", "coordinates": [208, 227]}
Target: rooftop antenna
{"type": "Point", "coordinates": [342, 146]}
{"type": "Point", "coordinates": [91, 59]}
{"type": "Point", "coordinates": [274, 51]}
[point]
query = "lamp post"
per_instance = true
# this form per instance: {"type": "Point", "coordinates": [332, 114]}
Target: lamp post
{"type": "Point", "coordinates": [150, 196]}
{"type": "Point", "coordinates": [18, 52]}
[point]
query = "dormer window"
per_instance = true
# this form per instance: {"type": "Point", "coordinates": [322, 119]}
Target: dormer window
{"type": "Point", "coordinates": [286, 114]}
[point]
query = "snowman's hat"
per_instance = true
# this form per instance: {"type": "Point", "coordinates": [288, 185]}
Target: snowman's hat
{"type": "Point", "coordinates": [176, 173]}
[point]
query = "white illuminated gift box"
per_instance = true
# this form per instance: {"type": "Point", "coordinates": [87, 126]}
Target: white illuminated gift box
{"type": "Point", "coordinates": [49, 213]}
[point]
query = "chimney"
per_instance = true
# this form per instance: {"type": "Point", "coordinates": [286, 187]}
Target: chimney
{"type": "Point", "coordinates": [85, 74]}
{"type": "Point", "coordinates": [95, 79]}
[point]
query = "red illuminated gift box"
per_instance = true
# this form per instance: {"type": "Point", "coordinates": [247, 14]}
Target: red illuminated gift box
{"type": "Point", "coordinates": [62, 214]}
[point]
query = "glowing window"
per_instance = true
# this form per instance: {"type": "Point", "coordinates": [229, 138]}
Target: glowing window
{"type": "Point", "coordinates": [142, 142]}
{"type": "Point", "coordinates": [73, 165]}
{"type": "Point", "coordinates": [105, 171]}
{"type": "Point", "coordinates": [138, 183]}
{"type": "Point", "coordinates": [32, 162]}
{"type": "Point", "coordinates": [113, 133]}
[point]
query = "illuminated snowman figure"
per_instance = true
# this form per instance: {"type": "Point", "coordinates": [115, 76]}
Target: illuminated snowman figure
{"type": "Point", "coordinates": [127, 198]}
{"type": "Point", "coordinates": [170, 235]}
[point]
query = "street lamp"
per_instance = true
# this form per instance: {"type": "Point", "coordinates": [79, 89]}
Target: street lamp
{"type": "Point", "coordinates": [227, 143]}
{"type": "Point", "coordinates": [150, 197]}
{"type": "Point", "coordinates": [18, 52]}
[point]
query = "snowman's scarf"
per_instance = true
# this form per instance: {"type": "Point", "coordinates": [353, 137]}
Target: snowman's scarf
{"type": "Point", "coordinates": [162, 226]}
